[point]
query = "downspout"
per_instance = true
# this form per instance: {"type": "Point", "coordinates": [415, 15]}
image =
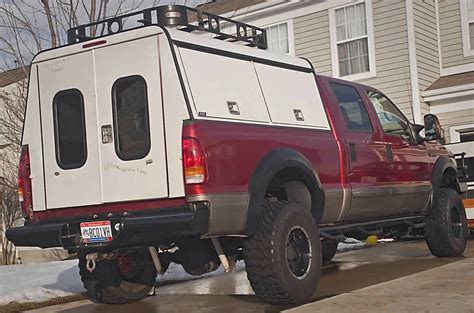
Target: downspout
{"type": "Point", "coordinates": [415, 92]}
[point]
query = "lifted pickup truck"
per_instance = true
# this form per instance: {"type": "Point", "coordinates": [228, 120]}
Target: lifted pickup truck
{"type": "Point", "coordinates": [149, 145]}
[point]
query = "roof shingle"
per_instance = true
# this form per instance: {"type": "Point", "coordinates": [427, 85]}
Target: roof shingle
{"type": "Point", "coordinates": [12, 76]}
{"type": "Point", "coordinates": [225, 6]}
{"type": "Point", "coordinates": [453, 80]}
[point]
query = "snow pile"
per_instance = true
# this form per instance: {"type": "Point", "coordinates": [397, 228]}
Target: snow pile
{"type": "Point", "coordinates": [39, 282]}
{"type": "Point", "coordinates": [350, 244]}
{"type": "Point", "coordinates": [44, 281]}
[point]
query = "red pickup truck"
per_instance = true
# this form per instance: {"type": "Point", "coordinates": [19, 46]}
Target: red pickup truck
{"type": "Point", "coordinates": [153, 145]}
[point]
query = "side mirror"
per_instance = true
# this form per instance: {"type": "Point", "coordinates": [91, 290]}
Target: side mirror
{"type": "Point", "coordinates": [416, 129]}
{"type": "Point", "coordinates": [432, 128]}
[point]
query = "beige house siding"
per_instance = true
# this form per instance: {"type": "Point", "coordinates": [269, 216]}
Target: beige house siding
{"type": "Point", "coordinates": [312, 41]}
{"type": "Point", "coordinates": [451, 35]}
{"type": "Point", "coordinates": [426, 42]}
{"type": "Point", "coordinates": [391, 54]}
{"type": "Point", "coordinates": [455, 118]}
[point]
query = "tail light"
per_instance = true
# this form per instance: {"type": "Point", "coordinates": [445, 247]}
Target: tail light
{"type": "Point", "coordinates": [193, 162]}
{"type": "Point", "coordinates": [24, 183]}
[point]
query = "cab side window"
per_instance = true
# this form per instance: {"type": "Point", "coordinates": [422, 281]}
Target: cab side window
{"type": "Point", "coordinates": [392, 120]}
{"type": "Point", "coordinates": [352, 108]}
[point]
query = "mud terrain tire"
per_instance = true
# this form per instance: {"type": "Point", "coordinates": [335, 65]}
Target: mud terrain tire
{"type": "Point", "coordinates": [279, 267]}
{"type": "Point", "coordinates": [328, 250]}
{"type": "Point", "coordinates": [106, 284]}
{"type": "Point", "coordinates": [446, 229]}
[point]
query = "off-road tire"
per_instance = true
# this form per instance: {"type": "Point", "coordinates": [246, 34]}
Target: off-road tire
{"type": "Point", "coordinates": [443, 238]}
{"type": "Point", "coordinates": [106, 285]}
{"type": "Point", "coordinates": [266, 254]}
{"type": "Point", "coordinates": [328, 250]}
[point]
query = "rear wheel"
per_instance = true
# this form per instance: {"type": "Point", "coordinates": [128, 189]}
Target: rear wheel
{"type": "Point", "coordinates": [283, 258]}
{"type": "Point", "coordinates": [126, 278]}
{"type": "Point", "coordinates": [446, 229]}
{"type": "Point", "coordinates": [328, 250]}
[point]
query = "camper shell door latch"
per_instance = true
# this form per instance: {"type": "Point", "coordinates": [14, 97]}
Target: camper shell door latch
{"type": "Point", "coordinates": [106, 132]}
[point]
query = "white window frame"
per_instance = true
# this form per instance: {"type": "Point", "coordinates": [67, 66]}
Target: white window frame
{"type": "Point", "coordinates": [370, 41]}
{"type": "Point", "coordinates": [455, 132]}
{"type": "Point", "coordinates": [291, 34]}
{"type": "Point", "coordinates": [466, 41]}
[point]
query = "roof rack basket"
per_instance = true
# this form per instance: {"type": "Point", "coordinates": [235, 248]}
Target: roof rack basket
{"type": "Point", "coordinates": [176, 16]}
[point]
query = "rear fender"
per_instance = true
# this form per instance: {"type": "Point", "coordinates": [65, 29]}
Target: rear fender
{"type": "Point", "coordinates": [268, 167]}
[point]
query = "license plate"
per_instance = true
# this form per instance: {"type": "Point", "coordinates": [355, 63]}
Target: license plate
{"type": "Point", "coordinates": [94, 232]}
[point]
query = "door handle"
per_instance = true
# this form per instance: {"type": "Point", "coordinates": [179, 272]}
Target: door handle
{"type": "Point", "coordinates": [352, 152]}
{"type": "Point", "coordinates": [389, 151]}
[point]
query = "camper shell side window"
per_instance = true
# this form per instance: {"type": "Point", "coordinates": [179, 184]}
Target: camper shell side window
{"type": "Point", "coordinates": [131, 121]}
{"type": "Point", "coordinates": [69, 129]}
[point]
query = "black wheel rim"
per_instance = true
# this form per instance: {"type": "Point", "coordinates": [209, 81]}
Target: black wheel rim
{"type": "Point", "coordinates": [298, 252]}
{"type": "Point", "coordinates": [456, 222]}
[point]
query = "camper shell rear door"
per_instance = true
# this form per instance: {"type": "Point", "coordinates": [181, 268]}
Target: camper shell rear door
{"type": "Point", "coordinates": [102, 124]}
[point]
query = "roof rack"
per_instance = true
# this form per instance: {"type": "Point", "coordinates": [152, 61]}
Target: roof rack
{"type": "Point", "coordinates": [176, 16]}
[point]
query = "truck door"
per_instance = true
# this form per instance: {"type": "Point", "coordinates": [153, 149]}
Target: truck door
{"type": "Point", "coordinates": [408, 162]}
{"type": "Point", "coordinates": [367, 173]}
{"type": "Point", "coordinates": [70, 140]}
{"type": "Point", "coordinates": [130, 121]}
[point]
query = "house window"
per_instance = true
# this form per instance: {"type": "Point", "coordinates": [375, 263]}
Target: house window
{"type": "Point", "coordinates": [352, 41]}
{"type": "Point", "coordinates": [467, 136]}
{"type": "Point", "coordinates": [278, 38]}
{"type": "Point", "coordinates": [467, 18]}
{"type": "Point", "coordinates": [461, 133]}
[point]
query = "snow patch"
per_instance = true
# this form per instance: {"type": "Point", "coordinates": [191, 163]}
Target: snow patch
{"type": "Point", "coordinates": [44, 281]}
{"type": "Point", "coordinates": [39, 282]}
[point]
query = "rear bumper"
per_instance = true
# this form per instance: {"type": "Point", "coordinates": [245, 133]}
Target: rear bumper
{"type": "Point", "coordinates": [132, 231]}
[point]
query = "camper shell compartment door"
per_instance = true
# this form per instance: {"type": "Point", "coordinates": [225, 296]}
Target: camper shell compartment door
{"type": "Point", "coordinates": [133, 158]}
{"type": "Point", "coordinates": [69, 119]}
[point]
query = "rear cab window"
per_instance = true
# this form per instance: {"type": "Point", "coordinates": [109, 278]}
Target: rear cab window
{"type": "Point", "coordinates": [131, 120]}
{"type": "Point", "coordinates": [352, 108]}
{"type": "Point", "coordinates": [69, 128]}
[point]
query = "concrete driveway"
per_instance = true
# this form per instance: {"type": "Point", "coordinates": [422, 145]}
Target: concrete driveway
{"type": "Point", "coordinates": [350, 271]}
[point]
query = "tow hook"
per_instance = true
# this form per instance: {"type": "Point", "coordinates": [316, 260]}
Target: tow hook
{"type": "Point", "coordinates": [90, 261]}
{"type": "Point", "coordinates": [93, 258]}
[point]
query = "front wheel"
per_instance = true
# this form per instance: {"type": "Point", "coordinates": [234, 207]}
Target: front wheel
{"type": "Point", "coordinates": [283, 258]}
{"type": "Point", "coordinates": [126, 278]}
{"type": "Point", "coordinates": [446, 229]}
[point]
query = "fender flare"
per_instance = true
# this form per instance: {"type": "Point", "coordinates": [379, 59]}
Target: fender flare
{"type": "Point", "coordinates": [443, 164]}
{"type": "Point", "coordinates": [267, 168]}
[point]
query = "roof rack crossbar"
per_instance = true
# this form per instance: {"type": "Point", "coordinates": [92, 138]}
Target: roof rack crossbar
{"type": "Point", "coordinates": [176, 16]}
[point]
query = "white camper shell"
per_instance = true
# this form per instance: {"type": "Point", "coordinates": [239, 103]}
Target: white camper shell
{"type": "Point", "coordinates": [131, 150]}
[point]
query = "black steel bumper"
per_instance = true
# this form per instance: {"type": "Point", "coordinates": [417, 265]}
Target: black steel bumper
{"type": "Point", "coordinates": [131, 231]}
